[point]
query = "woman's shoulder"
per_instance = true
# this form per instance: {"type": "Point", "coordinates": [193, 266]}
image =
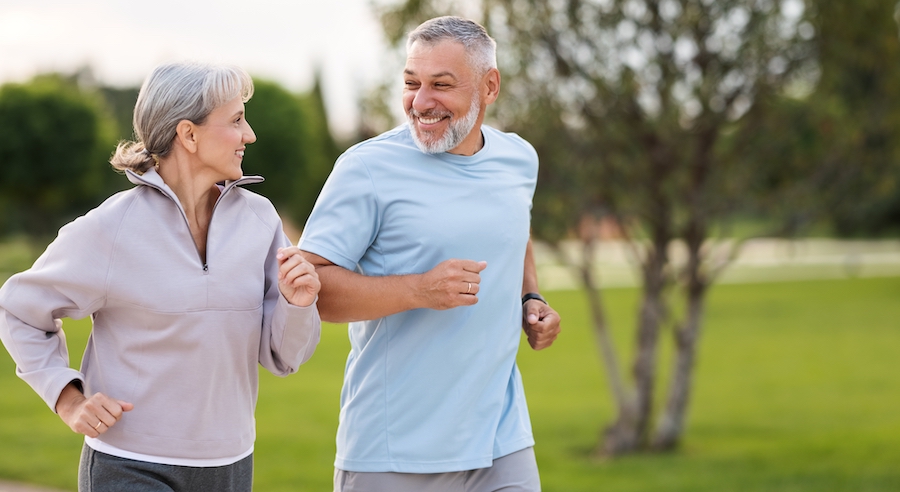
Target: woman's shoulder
{"type": "Point", "coordinates": [259, 205]}
{"type": "Point", "coordinates": [108, 214]}
{"type": "Point", "coordinates": [94, 233]}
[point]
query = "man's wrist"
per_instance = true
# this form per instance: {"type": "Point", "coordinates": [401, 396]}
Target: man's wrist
{"type": "Point", "coordinates": [533, 295]}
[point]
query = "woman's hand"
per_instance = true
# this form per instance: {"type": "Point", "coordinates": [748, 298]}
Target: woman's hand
{"type": "Point", "coordinates": [297, 278]}
{"type": "Point", "coordinates": [89, 416]}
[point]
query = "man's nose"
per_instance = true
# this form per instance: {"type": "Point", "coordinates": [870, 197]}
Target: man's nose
{"type": "Point", "coordinates": [423, 100]}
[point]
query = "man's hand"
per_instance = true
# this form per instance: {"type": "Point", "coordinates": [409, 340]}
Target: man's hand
{"type": "Point", "coordinates": [451, 283]}
{"type": "Point", "coordinates": [297, 278]}
{"type": "Point", "coordinates": [541, 324]}
{"type": "Point", "coordinates": [89, 416]}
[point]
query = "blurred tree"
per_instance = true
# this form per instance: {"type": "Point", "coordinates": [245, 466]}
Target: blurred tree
{"type": "Point", "coordinates": [55, 140]}
{"type": "Point", "coordinates": [120, 101]}
{"type": "Point", "coordinates": [294, 150]}
{"type": "Point", "coordinates": [857, 107]}
{"type": "Point", "coordinates": [323, 152]}
{"type": "Point", "coordinates": [829, 150]}
{"type": "Point", "coordinates": [635, 107]}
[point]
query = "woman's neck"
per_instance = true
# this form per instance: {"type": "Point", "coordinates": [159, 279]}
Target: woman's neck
{"type": "Point", "coordinates": [196, 193]}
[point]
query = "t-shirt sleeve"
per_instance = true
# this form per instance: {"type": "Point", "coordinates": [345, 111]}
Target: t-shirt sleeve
{"type": "Point", "coordinates": [346, 217]}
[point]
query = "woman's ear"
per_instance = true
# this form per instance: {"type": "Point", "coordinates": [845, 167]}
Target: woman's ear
{"type": "Point", "coordinates": [186, 135]}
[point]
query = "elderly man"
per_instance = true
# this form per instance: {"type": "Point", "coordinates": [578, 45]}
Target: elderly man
{"type": "Point", "coordinates": [421, 240]}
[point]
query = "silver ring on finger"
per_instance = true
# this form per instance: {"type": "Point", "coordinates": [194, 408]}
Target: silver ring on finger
{"type": "Point", "coordinates": [469, 288]}
{"type": "Point", "coordinates": [97, 427]}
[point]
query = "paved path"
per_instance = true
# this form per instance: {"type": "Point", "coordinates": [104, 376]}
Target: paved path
{"type": "Point", "coordinates": [20, 487]}
{"type": "Point", "coordinates": [760, 260]}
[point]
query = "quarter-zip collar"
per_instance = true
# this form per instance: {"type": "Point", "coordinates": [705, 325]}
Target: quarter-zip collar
{"type": "Point", "coordinates": [152, 179]}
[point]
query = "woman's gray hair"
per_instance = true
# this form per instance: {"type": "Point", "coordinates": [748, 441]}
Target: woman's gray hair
{"type": "Point", "coordinates": [480, 47]}
{"type": "Point", "coordinates": [174, 92]}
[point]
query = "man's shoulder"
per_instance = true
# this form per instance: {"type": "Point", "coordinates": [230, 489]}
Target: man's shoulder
{"type": "Point", "coordinates": [379, 154]}
{"type": "Point", "coordinates": [509, 141]}
{"type": "Point", "coordinates": [396, 139]}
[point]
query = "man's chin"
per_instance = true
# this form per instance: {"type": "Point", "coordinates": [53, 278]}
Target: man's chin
{"type": "Point", "coordinates": [429, 144]}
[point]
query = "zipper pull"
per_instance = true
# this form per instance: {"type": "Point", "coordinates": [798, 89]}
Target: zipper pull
{"type": "Point", "coordinates": [205, 268]}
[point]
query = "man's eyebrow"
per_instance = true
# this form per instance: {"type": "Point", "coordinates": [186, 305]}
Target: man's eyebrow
{"type": "Point", "coordinates": [435, 76]}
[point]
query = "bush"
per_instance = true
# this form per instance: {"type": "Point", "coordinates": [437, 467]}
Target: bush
{"type": "Point", "coordinates": [55, 140]}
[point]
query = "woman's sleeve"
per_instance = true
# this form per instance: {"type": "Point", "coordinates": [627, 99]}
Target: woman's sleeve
{"type": "Point", "coordinates": [289, 333]}
{"type": "Point", "coordinates": [68, 280]}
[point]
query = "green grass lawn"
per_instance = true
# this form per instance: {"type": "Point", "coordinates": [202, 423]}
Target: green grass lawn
{"type": "Point", "coordinates": [797, 389]}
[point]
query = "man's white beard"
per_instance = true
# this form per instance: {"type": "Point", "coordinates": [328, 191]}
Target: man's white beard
{"type": "Point", "coordinates": [456, 132]}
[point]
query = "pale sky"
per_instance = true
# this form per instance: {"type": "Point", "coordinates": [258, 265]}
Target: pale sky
{"type": "Point", "coordinates": [123, 40]}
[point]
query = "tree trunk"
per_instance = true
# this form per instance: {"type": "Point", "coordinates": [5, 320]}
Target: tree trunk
{"type": "Point", "coordinates": [624, 400]}
{"type": "Point", "coordinates": [605, 345]}
{"type": "Point", "coordinates": [630, 431]}
{"type": "Point", "coordinates": [671, 423]}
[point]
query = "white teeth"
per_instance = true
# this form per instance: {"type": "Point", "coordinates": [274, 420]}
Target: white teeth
{"type": "Point", "coordinates": [429, 121]}
{"type": "Point", "coordinates": [240, 153]}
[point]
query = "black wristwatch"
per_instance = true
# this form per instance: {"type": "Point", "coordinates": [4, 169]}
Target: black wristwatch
{"type": "Point", "coordinates": [533, 295]}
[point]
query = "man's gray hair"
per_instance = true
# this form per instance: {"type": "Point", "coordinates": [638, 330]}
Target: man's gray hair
{"type": "Point", "coordinates": [480, 47]}
{"type": "Point", "coordinates": [174, 92]}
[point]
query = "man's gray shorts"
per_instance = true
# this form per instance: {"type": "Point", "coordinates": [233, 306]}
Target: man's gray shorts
{"type": "Point", "coordinates": [516, 472]}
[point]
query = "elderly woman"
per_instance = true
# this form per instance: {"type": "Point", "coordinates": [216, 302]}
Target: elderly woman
{"type": "Point", "coordinates": [190, 283]}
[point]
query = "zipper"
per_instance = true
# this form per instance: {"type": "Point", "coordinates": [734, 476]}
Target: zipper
{"type": "Point", "coordinates": [138, 179]}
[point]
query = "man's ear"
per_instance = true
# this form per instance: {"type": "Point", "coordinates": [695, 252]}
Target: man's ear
{"type": "Point", "coordinates": [491, 84]}
{"type": "Point", "coordinates": [186, 135]}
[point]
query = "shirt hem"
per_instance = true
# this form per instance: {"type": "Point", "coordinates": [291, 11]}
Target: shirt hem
{"type": "Point", "coordinates": [515, 446]}
{"type": "Point", "coordinates": [433, 467]}
{"type": "Point", "coordinates": [100, 446]}
{"type": "Point", "coordinates": [405, 467]}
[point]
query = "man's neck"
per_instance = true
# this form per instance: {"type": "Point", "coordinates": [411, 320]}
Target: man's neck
{"type": "Point", "coordinates": [471, 144]}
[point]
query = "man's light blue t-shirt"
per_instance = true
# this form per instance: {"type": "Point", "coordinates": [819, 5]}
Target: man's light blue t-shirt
{"type": "Point", "coordinates": [429, 391]}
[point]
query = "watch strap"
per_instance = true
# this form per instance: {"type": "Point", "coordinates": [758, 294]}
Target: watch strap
{"type": "Point", "coordinates": [533, 295]}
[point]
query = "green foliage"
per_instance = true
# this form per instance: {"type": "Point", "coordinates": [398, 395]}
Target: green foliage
{"type": "Point", "coordinates": [859, 92]}
{"type": "Point", "coordinates": [55, 139]}
{"type": "Point", "coordinates": [294, 149]}
{"type": "Point", "coordinates": [17, 254]}
{"type": "Point", "coordinates": [825, 150]}
{"type": "Point", "coordinates": [121, 103]}
{"type": "Point", "coordinates": [797, 391]}
{"type": "Point", "coordinates": [279, 154]}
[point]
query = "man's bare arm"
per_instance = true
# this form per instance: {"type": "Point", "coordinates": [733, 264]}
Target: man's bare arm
{"type": "Point", "coordinates": [349, 296]}
{"type": "Point", "coordinates": [539, 320]}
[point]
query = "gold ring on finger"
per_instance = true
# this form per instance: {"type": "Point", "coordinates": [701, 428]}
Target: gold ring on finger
{"type": "Point", "coordinates": [97, 427]}
{"type": "Point", "coordinates": [469, 288]}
